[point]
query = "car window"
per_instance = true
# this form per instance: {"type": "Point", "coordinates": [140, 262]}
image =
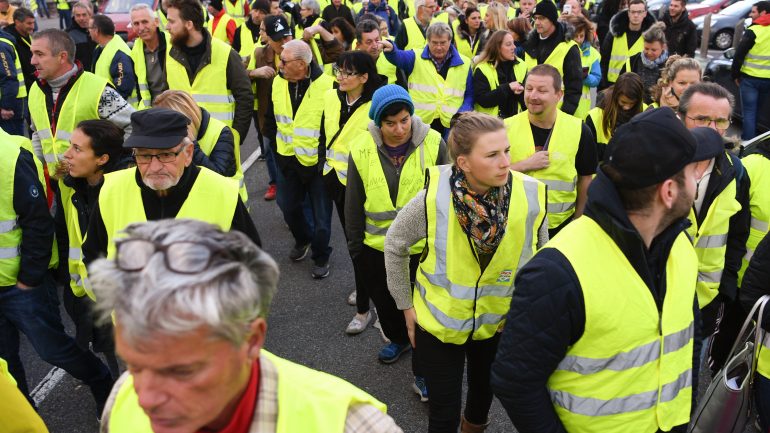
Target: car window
{"type": "Point", "coordinates": [738, 9]}
{"type": "Point", "coordinates": [123, 6]}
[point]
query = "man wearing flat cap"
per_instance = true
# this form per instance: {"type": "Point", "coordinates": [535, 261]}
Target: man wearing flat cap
{"type": "Point", "coordinates": [599, 336]}
{"type": "Point", "coordinates": [164, 184]}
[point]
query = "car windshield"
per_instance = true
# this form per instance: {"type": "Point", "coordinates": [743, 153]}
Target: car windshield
{"type": "Point", "coordinates": [708, 3]}
{"type": "Point", "coordinates": [737, 9]}
{"type": "Point", "coordinates": [123, 6]}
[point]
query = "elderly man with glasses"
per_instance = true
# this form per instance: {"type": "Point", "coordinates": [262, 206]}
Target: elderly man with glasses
{"type": "Point", "coordinates": [720, 220]}
{"type": "Point", "coordinates": [164, 184]}
{"type": "Point", "coordinates": [190, 304]}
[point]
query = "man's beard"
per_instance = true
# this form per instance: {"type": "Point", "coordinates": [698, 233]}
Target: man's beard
{"type": "Point", "coordinates": [680, 209]}
{"type": "Point", "coordinates": [180, 40]}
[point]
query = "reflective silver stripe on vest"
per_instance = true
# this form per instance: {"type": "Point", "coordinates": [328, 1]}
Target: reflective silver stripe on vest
{"type": "Point", "coordinates": [632, 403]}
{"type": "Point", "coordinates": [143, 87]}
{"type": "Point", "coordinates": [585, 96]}
{"type": "Point", "coordinates": [422, 88]}
{"type": "Point", "coordinates": [387, 215]}
{"type": "Point", "coordinates": [454, 92]}
{"type": "Point", "coordinates": [304, 151]}
{"type": "Point", "coordinates": [713, 241]}
{"type": "Point", "coordinates": [710, 277]}
{"type": "Point", "coordinates": [758, 224]}
{"type": "Point", "coordinates": [75, 254]}
{"type": "Point", "coordinates": [214, 99]}
{"type": "Point", "coordinates": [376, 231]}
{"type": "Point", "coordinates": [51, 158]}
{"type": "Point", "coordinates": [749, 254]}
{"type": "Point", "coordinates": [7, 226]}
{"type": "Point", "coordinates": [77, 279]}
{"type": "Point", "coordinates": [284, 138]}
{"type": "Point", "coordinates": [337, 156]}
{"type": "Point", "coordinates": [222, 116]}
{"type": "Point", "coordinates": [560, 207]}
{"type": "Point", "coordinates": [757, 57]}
{"type": "Point", "coordinates": [9, 253]}
{"type": "Point", "coordinates": [307, 132]}
{"type": "Point", "coordinates": [133, 100]}
{"type": "Point", "coordinates": [615, 71]}
{"type": "Point", "coordinates": [449, 109]}
{"type": "Point", "coordinates": [530, 191]}
{"type": "Point", "coordinates": [426, 107]}
{"type": "Point", "coordinates": [280, 118]}
{"type": "Point", "coordinates": [635, 357]}
{"type": "Point", "coordinates": [44, 133]}
{"type": "Point", "coordinates": [559, 185]}
{"type": "Point", "coordinates": [618, 58]}
{"type": "Point", "coordinates": [63, 135]}
{"type": "Point", "coordinates": [755, 65]}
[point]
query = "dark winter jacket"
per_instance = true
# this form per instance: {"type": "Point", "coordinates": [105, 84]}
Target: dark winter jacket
{"type": "Point", "coordinates": [572, 68]}
{"type": "Point", "coordinates": [681, 36]}
{"type": "Point", "coordinates": [222, 157]}
{"type": "Point", "coordinates": [330, 12]}
{"type": "Point", "coordinates": [547, 313]}
{"type": "Point", "coordinates": [649, 73]}
{"type": "Point", "coordinates": [385, 12]}
{"type": "Point", "coordinates": [84, 45]}
{"type": "Point", "coordinates": [25, 55]}
{"type": "Point", "coordinates": [9, 80]}
{"type": "Point", "coordinates": [619, 26]}
{"type": "Point", "coordinates": [501, 97]}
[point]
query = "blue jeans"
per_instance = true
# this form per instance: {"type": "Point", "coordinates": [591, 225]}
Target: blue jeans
{"type": "Point", "coordinates": [753, 91]}
{"type": "Point", "coordinates": [267, 147]}
{"type": "Point", "coordinates": [35, 312]}
{"type": "Point", "coordinates": [43, 10]}
{"type": "Point", "coordinates": [293, 193]}
{"type": "Point", "coordinates": [65, 18]}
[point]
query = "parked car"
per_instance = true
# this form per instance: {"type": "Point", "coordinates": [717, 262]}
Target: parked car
{"type": "Point", "coordinates": [749, 147]}
{"type": "Point", "coordinates": [720, 71]}
{"type": "Point", "coordinates": [723, 23]}
{"type": "Point", "coordinates": [118, 10]}
{"type": "Point", "coordinates": [707, 7]}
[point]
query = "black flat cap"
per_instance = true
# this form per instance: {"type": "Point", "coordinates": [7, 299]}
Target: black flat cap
{"type": "Point", "coordinates": [157, 128]}
{"type": "Point", "coordinates": [654, 146]}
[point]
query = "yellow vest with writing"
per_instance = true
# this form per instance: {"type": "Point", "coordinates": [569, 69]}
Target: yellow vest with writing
{"type": "Point", "coordinates": [212, 199]}
{"type": "Point", "coordinates": [758, 168]}
{"type": "Point", "coordinates": [435, 97]}
{"type": "Point", "coordinates": [209, 141]}
{"type": "Point", "coordinates": [631, 370]}
{"type": "Point", "coordinates": [560, 176]}
{"type": "Point", "coordinates": [209, 88]}
{"type": "Point", "coordinates": [140, 69]}
{"type": "Point", "coordinates": [337, 152]}
{"type": "Point", "coordinates": [378, 207]}
{"type": "Point", "coordinates": [309, 401]}
{"type": "Point", "coordinates": [757, 62]}
{"type": "Point", "coordinates": [103, 64]}
{"type": "Point", "coordinates": [710, 240]}
{"type": "Point", "coordinates": [455, 301]}
{"type": "Point", "coordinates": [490, 72]}
{"type": "Point", "coordinates": [620, 56]}
{"type": "Point", "coordinates": [81, 103]}
{"type": "Point", "coordinates": [298, 133]}
{"type": "Point", "coordinates": [17, 64]}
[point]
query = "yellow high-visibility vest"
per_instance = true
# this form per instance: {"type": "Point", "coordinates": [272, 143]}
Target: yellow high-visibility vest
{"type": "Point", "coordinates": [10, 232]}
{"type": "Point", "coordinates": [757, 62]}
{"type": "Point", "coordinates": [221, 31]}
{"type": "Point", "coordinates": [247, 51]}
{"type": "Point", "coordinates": [631, 370]}
{"type": "Point", "coordinates": [22, 93]}
{"type": "Point", "coordinates": [453, 299]}
{"type": "Point", "coordinates": [103, 64]}
{"type": "Point", "coordinates": [585, 98]}
{"type": "Point", "coordinates": [378, 207]}
{"type": "Point", "coordinates": [79, 283]}
{"type": "Point", "coordinates": [208, 142]}
{"type": "Point", "coordinates": [620, 56]}
{"type": "Point", "coordinates": [337, 152]}
{"type": "Point", "coordinates": [309, 401]}
{"type": "Point", "coordinates": [140, 69]}
{"type": "Point", "coordinates": [490, 72]}
{"type": "Point", "coordinates": [434, 96]}
{"type": "Point", "coordinates": [555, 59]}
{"type": "Point", "coordinates": [212, 199]}
{"type": "Point", "coordinates": [758, 168]}
{"type": "Point", "coordinates": [236, 10]}
{"type": "Point", "coordinates": [560, 176]}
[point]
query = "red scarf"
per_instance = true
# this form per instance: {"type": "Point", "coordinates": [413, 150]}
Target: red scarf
{"type": "Point", "coordinates": [244, 412]}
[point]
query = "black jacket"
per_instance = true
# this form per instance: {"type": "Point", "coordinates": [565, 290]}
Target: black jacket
{"type": "Point", "coordinates": [84, 45]}
{"type": "Point", "coordinates": [547, 313]}
{"type": "Point", "coordinates": [330, 12]}
{"type": "Point", "coordinates": [156, 208]}
{"type": "Point", "coordinates": [681, 36]}
{"type": "Point", "coordinates": [25, 55]}
{"type": "Point", "coordinates": [648, 74]}
{"type": "Point", "coordinates": [237, 36]}
{"type": "Point", "coordinates": [222, 158]}
{"type": "Point", "coordinates": [738, 233]}
{"type": "Point", "coordinates": [618, 26]}
{"type": "Point", "coordinates": [501, 97]}
{"type": "Point", "coordinates": [34, 220]}
{"type": "Point", "coordinates": [572, 68]}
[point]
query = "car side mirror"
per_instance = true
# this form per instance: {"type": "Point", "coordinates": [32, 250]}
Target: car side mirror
{"type": "Point", "coordinates": [729, 53]}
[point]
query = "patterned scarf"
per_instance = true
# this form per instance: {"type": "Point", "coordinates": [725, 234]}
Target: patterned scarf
{"type": "Point", "coordinates": [482, 217]}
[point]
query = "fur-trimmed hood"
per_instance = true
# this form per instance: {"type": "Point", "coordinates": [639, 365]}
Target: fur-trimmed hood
{"type": "Point", "coordinates": [619, 23]}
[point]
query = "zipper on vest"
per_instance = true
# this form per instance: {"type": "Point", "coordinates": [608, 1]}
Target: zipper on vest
{"type": "Point", "coordinates": [476, 286]}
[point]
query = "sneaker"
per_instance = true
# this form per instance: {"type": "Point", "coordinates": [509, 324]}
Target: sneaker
{"type": "Point", "coordinates": [352, 298]}
{"type": "Point", "coordinates": [378, 325]}
{"type": "Point", "coordinates": [392, 351]}
{"type": "Point", "coordinates": [261, 157]}
{"type": "Point", "coordinates": [320, 270]}
{"type": "Point", "coordinates": [420, 388]}
{"type": "Point", "coordinates": [299, 252]}
{"type": "Point", "coordinates": [357, 326]}
{"type": "Point", "coordinates": [271, 192]}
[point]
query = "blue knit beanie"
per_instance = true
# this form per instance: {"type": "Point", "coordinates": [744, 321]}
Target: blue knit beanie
{"type": "Point", "coordinates": [384, 97]}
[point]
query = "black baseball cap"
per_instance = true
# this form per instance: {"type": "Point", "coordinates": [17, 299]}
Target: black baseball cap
{"type": "Point", "coordinates": [654, 146]}
{"type": "Point", "coordinates": [277, 27]}
{"type": "Point", "coordinates": [157, 128]}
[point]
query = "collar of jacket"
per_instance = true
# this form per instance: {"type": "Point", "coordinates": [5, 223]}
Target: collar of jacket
{"type": "Point", "coordinates": [454, 56]}
{"type": "Point", "coordinates": [205, 119]}
{"type": "Point", "coordinates": [533, 42]}
{"type": "Point", "coordinates": [604, 207]}
{"type": "Point", "coordinates": [619, 23]}
{"type": "Point", "coordinates": [723, 173]}
{"type": "Point", "coordinates": [681, 22]}
{"type": "Point", "coordinates": [764, 20]}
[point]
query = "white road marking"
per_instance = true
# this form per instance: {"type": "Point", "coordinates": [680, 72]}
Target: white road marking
{"type": "Point", "coordinates": [46, 385]}
{"type": "Point", "coordinates": [251, 160]}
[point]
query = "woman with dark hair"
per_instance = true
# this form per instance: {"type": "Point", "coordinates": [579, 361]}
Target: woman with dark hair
{"type": "Point", "coordinates": [96, 148]}
{"type": "Point", "coordinates": [343, 32]}
{"type": "Point", "coordinates": [621, 102]}
{"type": "Point", "coordinates": [650, 62]}
{"type": "Point", "coordinates": [498, 77]}
{"type": "Point", "coordinates": [520, 28]}
{"type": "Point", "coordinates": [470, 34]}
{"type": "Point", "coordinates": [345, 119]}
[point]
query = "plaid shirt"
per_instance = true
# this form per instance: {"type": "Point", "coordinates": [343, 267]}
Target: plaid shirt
{"type": "Point", "coordinates": [361, 417]}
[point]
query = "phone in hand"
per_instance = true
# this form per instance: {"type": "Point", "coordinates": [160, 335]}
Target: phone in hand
{"type": "Point", "coordinates": [567, 9]}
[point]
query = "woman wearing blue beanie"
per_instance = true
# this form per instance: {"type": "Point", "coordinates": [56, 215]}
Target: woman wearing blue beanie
{"type": "Point", "coordinates": [385, 170]}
